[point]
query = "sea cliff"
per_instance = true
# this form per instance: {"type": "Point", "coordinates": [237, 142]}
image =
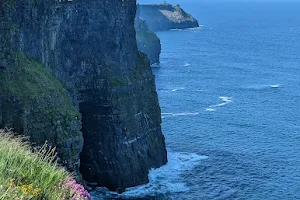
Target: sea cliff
{"type": "Point", "coordinates": [161, 17]}
{"type": "Point", "coordinates": [147, 40]}
{"type": "Point", "coordinates": [71, 74]}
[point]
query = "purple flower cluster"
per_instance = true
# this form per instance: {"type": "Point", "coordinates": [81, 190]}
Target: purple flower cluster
{"type": "Point", "coordinates": [73, 191]}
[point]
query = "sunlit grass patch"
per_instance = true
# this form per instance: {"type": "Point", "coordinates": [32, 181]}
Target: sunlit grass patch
{"type": "Point", "coordinates": [27, 173]}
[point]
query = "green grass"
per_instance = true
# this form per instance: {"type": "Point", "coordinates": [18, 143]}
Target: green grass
{"type": "Point", "coordinates": [27, 80]}
{"type": "Point", "coordinates": [31, 79]}
{"type": "Point", "coordinates": [26, 173]}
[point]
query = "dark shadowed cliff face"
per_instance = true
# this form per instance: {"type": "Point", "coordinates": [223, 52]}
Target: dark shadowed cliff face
{"type": "Point", "coordinates": [90, 47]}
{"type": "Point", "coordinates": [32, 100]}
{"type": "Point", "coordinates": [147, 40]}
{"type": "Point", "coordinates": [160, 17]}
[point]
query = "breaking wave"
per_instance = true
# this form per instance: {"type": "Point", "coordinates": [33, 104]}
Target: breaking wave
{"type": "Point", "coordinates": [164, 180]}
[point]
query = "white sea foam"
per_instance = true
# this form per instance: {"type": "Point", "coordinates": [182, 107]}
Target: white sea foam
{"type": "Point", "coordinates": [177, 89]}
{"type": "Point", "coordinates": [226, 100]}
{"type": "Point", "coordinates": [275, 86]}
{"type": "Point", "coordinates": [185, 114]}
{"type": "Point", "coordinates": [263, 87]}
{"type": "Point", "coordinates": [176, 29]}
{"type": "Point", "coordinates": [166, 179]}
{"type": "Point", "coordinates": [155, 65]}
{"type": "Point", "coordinates": [195, 28]}
{"type": "Point", "coordinates": [164, 115]}
{"type": "Point", "coordinates": [210, 109]}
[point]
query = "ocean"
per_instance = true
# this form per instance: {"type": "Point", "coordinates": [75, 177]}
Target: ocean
{"type": "Point", "coordinates": [230, 98]}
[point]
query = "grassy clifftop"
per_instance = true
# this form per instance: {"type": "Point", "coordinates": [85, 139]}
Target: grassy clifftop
{"type": "Point", "coordinates": [33, 174]}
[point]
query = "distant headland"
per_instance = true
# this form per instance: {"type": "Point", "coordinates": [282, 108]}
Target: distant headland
{"type": "Point", "coordinates": [161, 17]}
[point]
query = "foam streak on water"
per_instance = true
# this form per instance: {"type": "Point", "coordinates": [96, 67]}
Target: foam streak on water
{"type": "Point", "coordinates": [263, 87]}
{"type": "Point", "coordinates": [177, 89]}
{"type": "Point", "coordinates": [226, 100]}
{"type": "Point", "coordinates": [164, 115]}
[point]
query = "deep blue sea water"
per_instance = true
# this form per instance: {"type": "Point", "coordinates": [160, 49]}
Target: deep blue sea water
{"type": "Point", "coordinates": [230, 98]}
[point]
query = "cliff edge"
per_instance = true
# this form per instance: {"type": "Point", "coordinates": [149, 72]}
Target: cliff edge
{"type": "Point", "coordinates": [160, 17]}
{"type": "Point", "coordinates": [71, 73]}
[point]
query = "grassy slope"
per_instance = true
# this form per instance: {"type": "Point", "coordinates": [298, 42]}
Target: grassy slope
{"type": "Point", "coordinates": [27, 80]}
{"type": "Point", "coordinates": [27, 174]}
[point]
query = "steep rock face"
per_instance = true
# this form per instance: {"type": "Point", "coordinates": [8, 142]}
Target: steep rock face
{"type": "Point", "coordinates": [90, 47]}
{"type": "Point", "coordinates": [32, 101]}
{"type": "Point", "coordinates": [130, 138]}
{"type": "Point", "coordinates": [160, 17]}
{"type": "Point", "coordinates": [147, 41]}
